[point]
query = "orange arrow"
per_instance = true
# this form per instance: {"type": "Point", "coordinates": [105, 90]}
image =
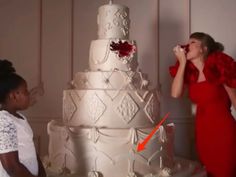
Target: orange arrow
{"type": "Point", "coordinates": [141, 146]}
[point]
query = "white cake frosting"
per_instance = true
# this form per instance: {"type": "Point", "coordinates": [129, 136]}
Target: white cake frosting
{"type": "Point", "coordinates": [114, 79]}
{"type": "Point", "coordinates": [108, 152]}
{"type": "Point", "coordinates": [113, 22]}
{"type": "Point", "coordinates": [109, 110]}
{"type": "Point", "coordinates": [102, 58]}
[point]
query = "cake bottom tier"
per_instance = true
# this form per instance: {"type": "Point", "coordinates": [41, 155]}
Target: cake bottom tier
{"type": "Point", "coordinates": [104, 152]}
{"type": "Point", "coordinates": [182, 168]}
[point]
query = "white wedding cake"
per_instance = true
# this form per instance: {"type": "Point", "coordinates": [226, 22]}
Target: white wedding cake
{"type": "Point", "coordinates": [109, 110]}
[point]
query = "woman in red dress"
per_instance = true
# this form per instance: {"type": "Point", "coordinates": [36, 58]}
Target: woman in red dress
{"type": "Point", "coordinates": [210, 76]}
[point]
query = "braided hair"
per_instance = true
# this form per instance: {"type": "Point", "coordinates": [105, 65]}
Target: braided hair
{"type": "Point", "coordinates": [9, 80]}
{"type": "Point", "coordinates": [208, 41]}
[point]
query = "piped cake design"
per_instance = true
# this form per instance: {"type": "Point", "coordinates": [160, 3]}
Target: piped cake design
{"type": "Point", "coordinates": [109, 110]}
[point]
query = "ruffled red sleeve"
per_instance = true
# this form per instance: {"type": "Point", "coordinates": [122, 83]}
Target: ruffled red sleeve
{"type": "Point", "coordinates": [220, 68]}
{"type": "Point", "coordinates": [191, 72]}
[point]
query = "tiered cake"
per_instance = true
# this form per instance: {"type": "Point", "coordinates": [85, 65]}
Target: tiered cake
{"type": "Point", "coordinates": [109, 110]}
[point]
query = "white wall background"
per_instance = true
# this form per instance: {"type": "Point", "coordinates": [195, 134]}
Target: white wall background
{"type": "Point", "coordinates": [48, 41]}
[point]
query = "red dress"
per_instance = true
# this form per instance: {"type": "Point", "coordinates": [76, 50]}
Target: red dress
{"type": "Point", "coordinates": [215, 126]}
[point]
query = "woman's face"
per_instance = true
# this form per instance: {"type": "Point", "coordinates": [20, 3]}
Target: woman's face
{"type": "Point", "coordinates": [195, 49]}
{"type": "Point", "coordinates": [22, 96]}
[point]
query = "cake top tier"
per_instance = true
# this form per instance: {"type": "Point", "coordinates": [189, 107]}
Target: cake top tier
{"type": "Point", "coordinates": [113, 21]}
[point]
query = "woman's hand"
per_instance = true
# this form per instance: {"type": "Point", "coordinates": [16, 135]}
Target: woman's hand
{"type": "Point", "coordinates": [177, 87]}
{"type": "Point", "coordinates": [180, 54]}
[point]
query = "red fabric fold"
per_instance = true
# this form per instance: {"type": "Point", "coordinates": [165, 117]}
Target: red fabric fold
{"type": "Point", "coordinates": [220, 68]}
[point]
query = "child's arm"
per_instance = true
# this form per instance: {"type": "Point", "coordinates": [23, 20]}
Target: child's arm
{"type": "Point", "coordinates": [42, 172]}
{"type": "Point", "coordinates": [12, 165]}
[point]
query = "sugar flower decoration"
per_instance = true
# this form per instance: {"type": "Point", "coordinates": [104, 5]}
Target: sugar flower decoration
{"type": "Point", "coordinates": [185, 47]}
{"type": "Point", "coordinates": [123, 49]}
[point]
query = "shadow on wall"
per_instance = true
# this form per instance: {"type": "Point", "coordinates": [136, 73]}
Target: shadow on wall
{"type": "Point", "coordinates": [149, 60]}
{"type": "Point", "coordinates": [172, 33]}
